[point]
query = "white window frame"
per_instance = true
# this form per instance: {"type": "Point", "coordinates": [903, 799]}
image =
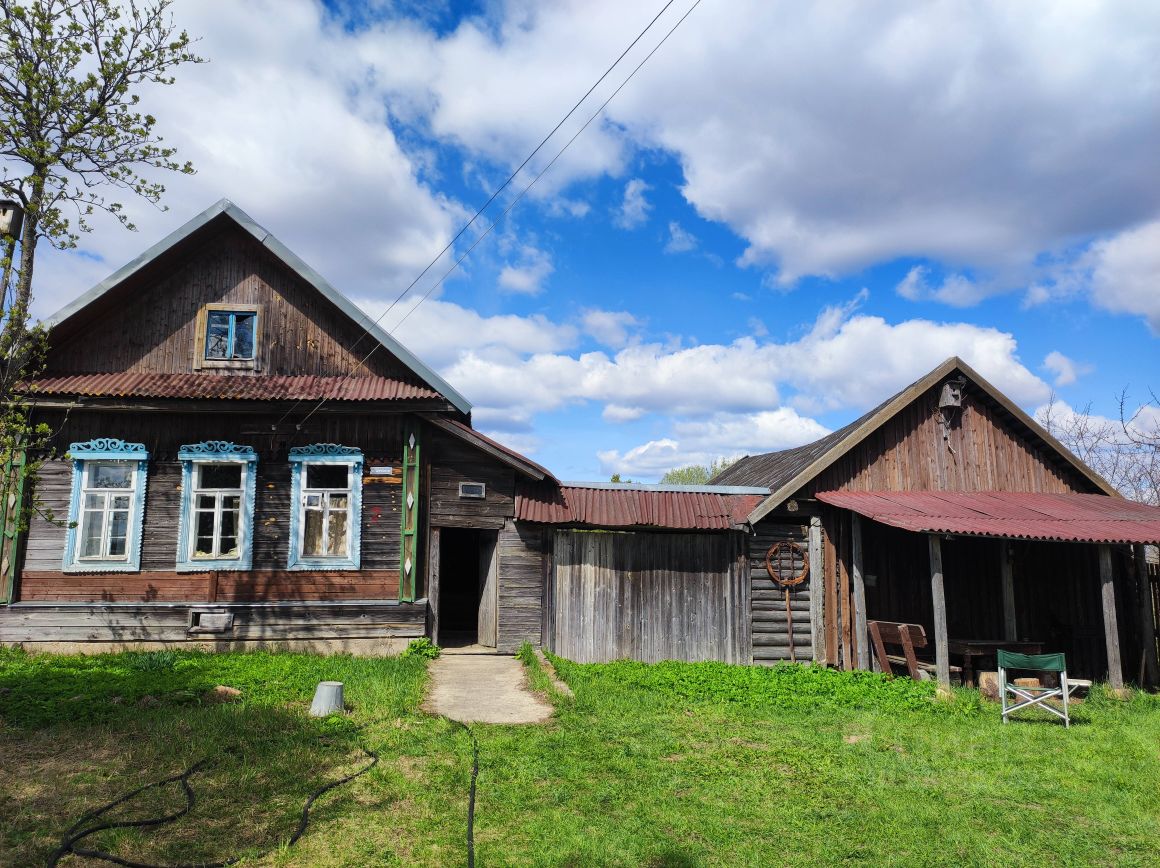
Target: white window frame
{"type": "Point", "coordinates": [193, 457]}
{"type": "Point", "coordinates": [86, 456]}
{"type": "Point", "coordinates": [301, 459]}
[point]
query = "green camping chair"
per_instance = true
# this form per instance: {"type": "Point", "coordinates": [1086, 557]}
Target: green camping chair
{"type": "Point", "coordinates": [1025, 697]}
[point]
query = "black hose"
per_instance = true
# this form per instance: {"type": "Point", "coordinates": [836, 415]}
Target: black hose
{"type": "Point", "coordinates": [470, 792]}
{"type": "Point", "coordinates": [77, 833]}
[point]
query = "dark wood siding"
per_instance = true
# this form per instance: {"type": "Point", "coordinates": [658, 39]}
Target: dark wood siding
{"type": "Point", "coordinates": [451, 462]}
{"type": "Point", "coordinates": [984, 449]}
{"type": "Point", "coordinates": [769, 625]}
{"type": "Point", "coordinates": [649, 596]}
{"type": "Point", "coordinates": [301, 331]}
{"type": "Point", "coordinates": [522, 563]}
{"type": "Point", "coordinates": [62, 622]}
{"type": "Point", "coordinates": [381, 442]}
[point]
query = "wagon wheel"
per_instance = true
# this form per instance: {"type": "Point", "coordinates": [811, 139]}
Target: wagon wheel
{"type": "Point", "coordinates": [782, 563]}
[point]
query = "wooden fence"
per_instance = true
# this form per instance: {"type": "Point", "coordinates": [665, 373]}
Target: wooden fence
{"type": "Point", "coordinates": [649, 596]}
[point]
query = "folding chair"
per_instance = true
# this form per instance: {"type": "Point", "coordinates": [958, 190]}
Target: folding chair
{"type": "Point", "coordinates": [1025, 697]}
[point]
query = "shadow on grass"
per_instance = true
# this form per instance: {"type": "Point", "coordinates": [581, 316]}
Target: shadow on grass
{"type": "Point", "coordinates": [89, 730]}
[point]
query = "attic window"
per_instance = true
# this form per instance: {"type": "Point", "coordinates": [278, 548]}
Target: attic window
{"type": "Point", "coordinates": [227, 336]}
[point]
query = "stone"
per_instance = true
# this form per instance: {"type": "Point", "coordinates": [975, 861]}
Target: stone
{"type": "Point", "coordinates": [222, 693]}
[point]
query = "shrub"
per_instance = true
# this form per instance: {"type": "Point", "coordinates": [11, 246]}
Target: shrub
{"type": "Point", "coordinates": [423, 648]}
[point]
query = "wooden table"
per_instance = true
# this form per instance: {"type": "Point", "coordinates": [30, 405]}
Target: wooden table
{"type": "Point", "coordinates": [969, 649]}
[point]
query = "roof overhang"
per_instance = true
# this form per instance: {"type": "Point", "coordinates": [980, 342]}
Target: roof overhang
{"type": "Point", "coordinates": [503, 454]}
{"type": "Point", "coordinates": [1090, 518]}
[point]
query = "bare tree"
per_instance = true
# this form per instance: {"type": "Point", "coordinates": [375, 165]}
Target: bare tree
{"type": "Point", "coordinates": [1124, 451]}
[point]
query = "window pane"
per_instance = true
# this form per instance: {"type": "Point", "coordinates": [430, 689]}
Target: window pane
{"type": "Point", "coordinates": [91, 535]}
{"type": "Point", "coordinates": [109, 475]}
{"type": "Point", "coordinates": [120, 501]}
{"type": "Point", "coordinates": [312, 533]}
{"type": "Point", "coordinates": [244, 335]}
{"type": "Point", "coordinates": [119, 523]}
{"type": "Point", "coordinates": [229, 523]}
{"type": "Point", "coordinates": [204, 524]}
{"type": "Point", "coordinates": [206, 501]}
{"type": "Point", "coordinates": [94, 501]}
{"type": "Point", "coordinates": [327, 475]}
{"type": "Point", "coordinates": [229, 547]}
{"type": "Point", "coordinates": [314, 501]}
{"type": "Point", "coordinates": [204, 547]}
{"type": "Point", "coordinates": [337, 530]}
{"type": "Point", "coordinates": [117, 547]}
{"type": "Point", "coordinates": [220, 475]}
{"type": "Point", "coordinates": [217, 336]}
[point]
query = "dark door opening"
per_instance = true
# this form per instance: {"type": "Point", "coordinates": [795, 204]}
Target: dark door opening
{"type": "Point", "coordinates": [466, 587]}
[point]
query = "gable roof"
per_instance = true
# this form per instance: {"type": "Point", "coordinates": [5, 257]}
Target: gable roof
{"type": "Point", "coordinates": [224, 209]}
{"type": "Point", "coordinates": [788, 470]}
{"type": "Point", "coordinates": [504, 454]}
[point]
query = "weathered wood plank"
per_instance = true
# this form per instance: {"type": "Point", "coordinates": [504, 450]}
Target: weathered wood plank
{"type": "Point", "coordinates": [938, 597]}
{"type": "Point", "coordinates": [1111, 629]}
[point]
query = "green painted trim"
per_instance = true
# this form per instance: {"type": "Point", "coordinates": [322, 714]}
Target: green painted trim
{"type": "Point", "coordinates": [12, 523]}
{"type": "Point", "coordinates": [409, 510]}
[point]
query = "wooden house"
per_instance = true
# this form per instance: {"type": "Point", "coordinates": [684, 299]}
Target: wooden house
{"type": "Point", "coordinates": [242, 456]}
{"type": "Point", "coordinates": [949, 507]}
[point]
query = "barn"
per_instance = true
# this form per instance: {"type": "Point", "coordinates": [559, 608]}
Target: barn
{"type": "Point", "coordinates": [241, 457]}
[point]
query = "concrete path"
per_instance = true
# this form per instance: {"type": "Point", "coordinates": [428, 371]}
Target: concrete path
{"type": "Point", "coordinates": [483, 689]}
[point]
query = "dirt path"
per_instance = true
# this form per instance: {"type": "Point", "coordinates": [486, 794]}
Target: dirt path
{"type": "Point", "coordinates": [483, 689]}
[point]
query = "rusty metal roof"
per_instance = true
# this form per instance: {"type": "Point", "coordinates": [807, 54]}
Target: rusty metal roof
{"type": "Point", "coordinates": [1094, 518]}
{"type": "Point", "coordinates": [673, 507]}
{"type": "Point", "coordinates": [233, 388]}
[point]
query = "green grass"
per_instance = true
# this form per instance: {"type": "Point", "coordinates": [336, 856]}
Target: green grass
{"type": "Point", "coordinates": [670, 764]}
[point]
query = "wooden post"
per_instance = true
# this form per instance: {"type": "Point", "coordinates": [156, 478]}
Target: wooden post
{"type": "Point", "coordinates": [861, 645]}
{"type": "Point", "coordinates": [1147, 620]}
{"type": "Point", "coordinates": [433, 584]}
{"type": "Point", "coordinates": [938, 598]}
{"type": "Point", "coordinates": [1111, 629]}
{"type": "Point", "coordinates": [1010, 626]}
{"type": "Point", "coordinates": [817, 591]}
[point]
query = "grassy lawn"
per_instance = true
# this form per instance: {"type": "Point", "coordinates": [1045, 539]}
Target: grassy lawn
{"type": "Point", "coordinates": [673, 764]}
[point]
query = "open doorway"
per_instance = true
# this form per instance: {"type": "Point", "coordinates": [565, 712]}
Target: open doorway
{"type": "Point", "coordinates": [467, 587]}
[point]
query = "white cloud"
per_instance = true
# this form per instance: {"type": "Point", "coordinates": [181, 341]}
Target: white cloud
{"type": "Point", "coordinates": [680, 240]}
{"type": "Point", "coordinates": [609, 327]}
{"type": "Point", "coordinates": [528, 276]}
{"type": "Point", "coordinates": [618, 413]}
{"type": "Point", "coordinates": [635, 208]}
{"type": "Point", "coordinates": [1125, 273]}
{"type": "Point", "coordinates": [830, 137]}
{"type": "Point", "coordinates": [650, 459]}
{"type": "Point", "coordinates": [1066, 370]}
{"type": "Point", "coordinates": [955, 289]}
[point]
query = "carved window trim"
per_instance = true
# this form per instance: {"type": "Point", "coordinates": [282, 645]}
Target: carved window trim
{"type": "Point", "coordinates": [301, 457]}
{"type": "Point", "coordinates": [84, 456]}
{"type": "Point", "coordinates": [200, 362]}
{"type": "Point", "coordinates": [216, 452]}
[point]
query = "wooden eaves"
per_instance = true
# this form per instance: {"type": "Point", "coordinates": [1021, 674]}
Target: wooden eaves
{"type": "Point", "coordinates": [895, 405]}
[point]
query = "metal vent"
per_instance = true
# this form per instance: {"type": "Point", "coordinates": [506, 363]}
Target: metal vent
{"type": "Point", "coordinates": [476, 490]}
{"type": "Point", "coordinates": [202, 621]}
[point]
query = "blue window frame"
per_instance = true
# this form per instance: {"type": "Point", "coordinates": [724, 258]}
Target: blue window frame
{"type": "Point", "coordinates": [218, 489]}
{"type": "Point", "coordinates": [230, 335]}
{"type": "Point", "coordinates": [106, 506]}
{"type": "Point", "coordinates": [326, 507]}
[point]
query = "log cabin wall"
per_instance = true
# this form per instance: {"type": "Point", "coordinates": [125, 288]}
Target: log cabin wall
{"type": "Point", "coordinates": [769, 627]}
{"type": "Point", "coordinates": [523, 560]}
{"type": "Point", "coordinates": [649, 596]}
{"type": "Point", "coordinates": [984, 450]}
{"type": "Point", "coordinates": [452, 462]}
{"type": "Point", "coordinates": [380, 439]}
{"type": "Point", "coordinates": [301, 332]}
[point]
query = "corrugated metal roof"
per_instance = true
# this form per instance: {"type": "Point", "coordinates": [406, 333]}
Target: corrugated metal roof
{"type": "Point", "coordinates": [633, 506]}
{"type": "Point", "coordinates": [235, 388]}
{"type": "Point", "coordinates": [1093, 518]}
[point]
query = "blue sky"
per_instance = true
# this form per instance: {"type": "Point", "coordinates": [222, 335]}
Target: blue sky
{"type": "Point", "coordinates": [791, 212]}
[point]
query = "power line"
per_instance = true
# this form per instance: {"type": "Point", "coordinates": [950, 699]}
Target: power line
{"type": "Point", "coordinates": [479, 211]}
{"type": "Point", "coordinates": [517, 199]}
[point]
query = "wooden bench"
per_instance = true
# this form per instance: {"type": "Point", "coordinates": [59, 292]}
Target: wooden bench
{"type": "Point", "coordinates": [907, 637]}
